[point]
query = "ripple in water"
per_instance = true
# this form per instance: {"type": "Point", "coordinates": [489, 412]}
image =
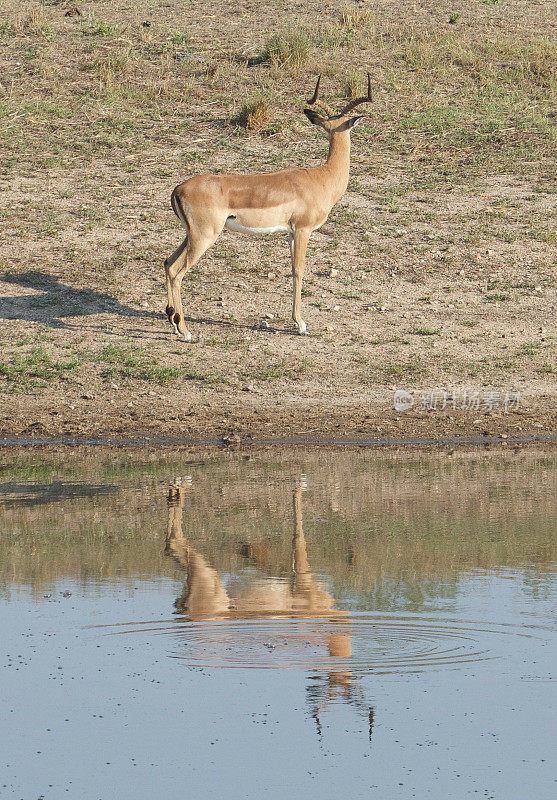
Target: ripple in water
{"type": "Point", "coordinates": [360, 644]}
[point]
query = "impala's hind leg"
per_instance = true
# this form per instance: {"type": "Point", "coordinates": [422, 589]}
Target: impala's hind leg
{"type": "Point", "coordinates": [167, 265]}
{"type": "Point", "coordinates": [190, 252]}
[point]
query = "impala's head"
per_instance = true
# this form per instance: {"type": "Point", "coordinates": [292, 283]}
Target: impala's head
{"type": "Point", "coordinates": [331, 122]}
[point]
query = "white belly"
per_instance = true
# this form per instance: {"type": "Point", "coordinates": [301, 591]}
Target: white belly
{"type": "Point", "coordinates": [231, 224]}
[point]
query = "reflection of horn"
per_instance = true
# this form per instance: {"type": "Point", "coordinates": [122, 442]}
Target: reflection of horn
{"type": "Point", "coordinates": [315, 716]}
{"type": "Point", "coordinates": [324, 691]}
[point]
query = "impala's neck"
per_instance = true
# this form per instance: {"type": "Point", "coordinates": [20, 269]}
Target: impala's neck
{"type": "Point", "coordinates": [338, 161]}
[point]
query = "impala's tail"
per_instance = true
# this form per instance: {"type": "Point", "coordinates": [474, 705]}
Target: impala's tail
{"type": "Point", "coordinates": [178, 209]}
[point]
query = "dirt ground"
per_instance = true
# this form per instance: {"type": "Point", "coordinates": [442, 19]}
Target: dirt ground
{"type": "Point", "coordinates": [434, 275]}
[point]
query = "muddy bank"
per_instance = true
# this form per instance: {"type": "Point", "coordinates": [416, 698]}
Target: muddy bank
{"type": "Point", "coordinates": [256, 421]}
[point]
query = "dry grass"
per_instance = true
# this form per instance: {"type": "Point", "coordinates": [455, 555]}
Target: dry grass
{"type": "Point", "coordinates": [253, 115]}
{"type": "Point", "coordinates": [452, 98]}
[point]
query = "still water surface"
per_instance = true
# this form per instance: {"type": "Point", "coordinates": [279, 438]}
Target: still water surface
{"type": "Point", "coordinates": [299, 624]}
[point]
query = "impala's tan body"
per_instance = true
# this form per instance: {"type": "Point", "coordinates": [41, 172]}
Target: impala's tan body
{"type": "Point", "coordinates": [292, 201]}
{"type": "Point", "coordinates": [289, 200]}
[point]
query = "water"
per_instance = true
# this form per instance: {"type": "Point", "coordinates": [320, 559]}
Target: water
{"type": "Point", "coordinates": [306, 624]}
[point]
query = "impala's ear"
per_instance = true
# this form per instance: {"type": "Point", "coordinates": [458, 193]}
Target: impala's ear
{"type": "Point", "coordinates": [313, 116]}
{"type": "Point", "coordinates": [351, 123]}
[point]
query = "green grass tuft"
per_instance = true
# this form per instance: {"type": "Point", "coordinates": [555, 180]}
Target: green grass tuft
{"type": "Point", "coordinates": [289, 48]}
{"type": "Point", "coordinates": [35, 369]}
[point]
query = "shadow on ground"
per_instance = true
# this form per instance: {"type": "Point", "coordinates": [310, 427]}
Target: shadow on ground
{"type": "Point", "coordinates": [58, 300]}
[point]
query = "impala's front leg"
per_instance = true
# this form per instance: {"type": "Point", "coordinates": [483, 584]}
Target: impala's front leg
{"type": "Point", "coordinates": [298, 249]}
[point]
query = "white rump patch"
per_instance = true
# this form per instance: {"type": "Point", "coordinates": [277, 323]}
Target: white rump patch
{"type": "Point", "coordinates": [232, 225]}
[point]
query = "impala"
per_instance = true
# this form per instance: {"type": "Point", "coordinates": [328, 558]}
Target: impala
{"type": "Point", "coordinates": [206, 598]}
{"type": "Point", "coordinates": [294, 201]}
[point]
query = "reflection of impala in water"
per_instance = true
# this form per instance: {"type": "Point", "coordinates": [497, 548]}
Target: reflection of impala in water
{"type": "Point", "coordinates": [303, 597]}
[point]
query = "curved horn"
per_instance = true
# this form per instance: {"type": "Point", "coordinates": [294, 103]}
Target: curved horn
{"type": "Point", "coordinates": [316, 102]}
{"type": "Point", "coordinates": [356, 102]}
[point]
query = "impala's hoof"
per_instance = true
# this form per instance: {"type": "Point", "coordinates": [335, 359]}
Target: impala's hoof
{"type": "Point", "coordinates": [303, 329]}
{"type": "Point", "coordinates": [186, 336]}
